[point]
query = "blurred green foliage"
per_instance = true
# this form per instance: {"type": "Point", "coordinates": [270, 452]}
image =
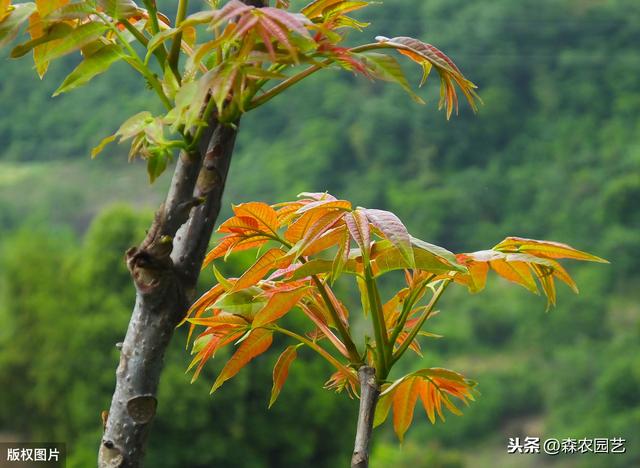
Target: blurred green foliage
{"type": "Point", "coordinates": [554, 153]}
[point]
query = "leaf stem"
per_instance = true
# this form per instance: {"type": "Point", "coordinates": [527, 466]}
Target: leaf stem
{"type": "Point", "coordinates": [174, 54]}
{"type": "Point", "coordinates": [195, 139]}
{"type": "Point", "coordinates": [379, 327]}
{"type": "Point", "coordinates": [321, 351]}
{"type": "Point", "coordinates": [153, 14]}
{"type": "Point", "coordinates": [416, 329]}
{"type": "Point", "coordinates": [344, 333]}
{"type": "Point", "coordinates": [279, 88]}
{"type": "Point", "coordinates": [160, 52]}
{"type": "Point", "coordinates": [406, 309]}
{"type": "Point", "coordinates": [139, 64]}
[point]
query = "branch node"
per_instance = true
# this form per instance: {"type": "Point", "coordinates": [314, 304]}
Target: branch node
{"type": "Point", "coordinates": [142, 408]}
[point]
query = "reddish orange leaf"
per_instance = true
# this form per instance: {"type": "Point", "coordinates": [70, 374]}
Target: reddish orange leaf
{"type": "Point", "coordinates": [545, 276]}
{"type": "Point", "coordinates": [427, 55]}
{"type": "Point", "coordinates": [288, 212]}
{"type": "Point", "coordinates": [221, 248]}
{"type": "Point", "coordinates": [271, 259]}
{"type": "Point", "coordinates": [249, 243]}
{"type": "Point", "coordinates": [256, 343]}
{"type": "Point", "coordinates": [221, 321]}
{"type": "Point", "coordinates": [562, 275]}
{"type": "Point", "coordinates": [299, 227]}
{"type": "Point", "coordinates": [316, 230]}
{"type": "Point", "coordinates": [200, 306]}
{"type": "Point", "coordinates": [217, 342]}
{"type": "Point", "coordinates": [265, 215]}
{"type": "Point", "coordinates": [317, 7]}
{"type": "Point", "coordinates": [428, 397]}
{"type": "Point", "coordinates": [358, 226]}
{"type": "Point", "coordinates": [277, 306]}
{"type": "Point", "coordinates": [344, 379]}
{"type": "Point", "coordinates": [326, 205]}
{"type": "Point", "coordinates": [393, 229]}
{"type": "Point", "coordinates": [391, 309]}
{"type": "Point", "coordinates": [516, 272]}
{"type": "Point", "coordinates": [476, 278]}
{"type": "Point", "coordinates": [240, 225]}
{"type": "Point", "coordinates": [281, 371]}
{"type": "Point", "coordinates": [434, 386]}
{"type": "Point", "coordinates": [545, 249]}
{"type": "Point", "coordinates": [404, 403]}
{"type": "Point", "coordinates": [413, 346]}
{"type": "Point", "coordinates": [343, 313]}
{"type": "Point", "coordinates": [316, 316]}
{"type": "Point", "coordinates": [326, 241]}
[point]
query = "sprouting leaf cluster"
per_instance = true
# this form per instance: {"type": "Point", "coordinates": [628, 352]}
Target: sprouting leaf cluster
{"type": "Point", "coordinates": [236, 57]}
{"type": "Point", "coordinates": [305, 245]}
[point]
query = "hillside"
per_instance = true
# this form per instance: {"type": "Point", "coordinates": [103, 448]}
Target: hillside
{"type": "Point", "coordinates": [554, 153]}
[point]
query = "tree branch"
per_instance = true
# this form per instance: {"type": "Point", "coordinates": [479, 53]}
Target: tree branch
{"type": "Point", "coordinates": [165, 268]}
{"type": "Point", "coordinates": [369, 394]}
{"type": "Point", "coordinates": [193, 238]}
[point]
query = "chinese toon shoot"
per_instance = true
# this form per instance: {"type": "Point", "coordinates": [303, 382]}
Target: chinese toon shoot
{"type": "Point", "coordinates": [206, 69]}
{"type": "Point", "coordinates": [305, 245]}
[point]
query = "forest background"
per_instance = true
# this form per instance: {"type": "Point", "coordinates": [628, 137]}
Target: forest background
{"type": "Point", "coordinates": [554, 153]}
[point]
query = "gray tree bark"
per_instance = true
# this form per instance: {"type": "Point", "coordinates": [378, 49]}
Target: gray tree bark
{"type": "Point", "coordinates": [165, 269]}
{"type": "Point", "coordinates": [369, 394]}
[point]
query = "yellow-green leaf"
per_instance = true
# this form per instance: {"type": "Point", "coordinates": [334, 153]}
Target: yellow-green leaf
{"type": "Point", "coordinates": [74, 40]}
{"type": "Point", "coordinates": [90, 67]}
{"type": "Point", "coordinates": [11, 23]}
{"type": "Point", "coordinates": [387, 68]}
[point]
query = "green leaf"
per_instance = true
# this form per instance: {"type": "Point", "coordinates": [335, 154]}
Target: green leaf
{"type": "Point", "coordinates": [226, 284]}
{"type": "Point", "coordinates": [119, 9]}
{"type": "Point", "coordinates": [382, 410]}
{"type": "Point", "coordinates": [159, 39]}
{"type": "Point", "coordinates": [71, 11]}
{"type": "Point", "coordinates": [386, 257]}
{"type": "Point", "coordinates": [105, 141]}
{"type": "Point", "coordinates": [57, 31]}
{"type": "Point", "coordinates": [437, 251]}
{"type": "Point", "coordinates": [10, 25]}
{"type": "Point", "coordinates": [319, 266]}
{"type": "Point", "coordinates": [134, 125]}
{"type": "Point", "coordinates": [200, 343]}
{"type": "Point", "coordinates": [246, 302]}
{"type": "Point", "coordinates": [156, 165]}
{"type": "Point", "coordinates": [76, 39]}
{"type": "Point", "coordinates": [90, 67]}
{"type": "Point", "coordinates": [387, 68]}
